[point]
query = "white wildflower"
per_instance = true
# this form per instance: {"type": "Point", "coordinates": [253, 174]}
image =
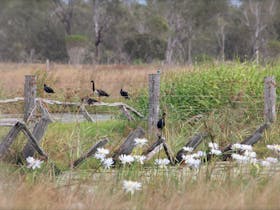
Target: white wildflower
{"type": "Point", "coordinates": [236, 146]}
{"type": "Point", "coordinates": [265, 163]}
{"type": "Point", "coordinates": [188, 149]}
{"type": "Point", "coordinates": [33, 163]}
{"type": "Point", "coordinates": [191, 161]}
{"type": "Point", "coordinates": [213, 145]}
{"type": "Point", "coordinates": [139, 158]}
{"type": "Point", "coordinates": [162, 163]}
{"type": "Point", "coordinates": [126, 159]}
{"type": "Point", "coordinates": [100, 156]}
{"type": "Point", "coordinates": [240, 158]}
{"type": "Point", "coordinates": [274, 147]}
{"type": "Point", "coordinates": [250, 154]}
{"type": "Point", "coordinates": [140, 142]}
{"type": "Point", "coordinates": [131, 186]}
{"type": "Point", "coordinates": [243, 147]}
{"type": "Point", "coordinates": [215, 152]}
{"type": "Point", "coordinates": [107, 163]}
{"type": "Point", "coordinates": [272, 160]}
{"type": "Point", "coordinates": [101, 153]}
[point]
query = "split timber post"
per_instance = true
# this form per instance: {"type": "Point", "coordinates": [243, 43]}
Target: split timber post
{"type": "Point", "coordinates": [269, 99]}
{"type": "Point", "coordinates": [154, 91]}
{"type": "Point", "coordinates": [29, 96]}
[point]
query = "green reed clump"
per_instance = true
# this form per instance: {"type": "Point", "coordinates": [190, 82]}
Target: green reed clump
{"type": "Point", "coordinates": [207, 87]}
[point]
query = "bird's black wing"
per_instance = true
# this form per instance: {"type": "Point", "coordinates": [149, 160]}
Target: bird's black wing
{"type": "Point", "coordinates": [102, 93]}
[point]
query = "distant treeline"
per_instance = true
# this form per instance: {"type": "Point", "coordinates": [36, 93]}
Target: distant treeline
{"type": "Point", "coordinates": [127, 31]}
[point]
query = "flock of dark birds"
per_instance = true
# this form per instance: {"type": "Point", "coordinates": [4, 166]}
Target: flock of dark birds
{"type": "Point", "coordinates": [98, 92]}
{"type": "Point", "coordinates": [102, 93]}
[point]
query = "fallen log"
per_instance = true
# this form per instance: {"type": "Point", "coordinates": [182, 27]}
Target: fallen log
{"type": "Point", "coordinates": [168, 153]}
{"type": "Point", "coordinates": [251, 140]}
{"type": "Point", "coordinates": [128, 145]}
{"type": "Point", "coordinates": [154, 148]}
{"type": "Point", "coordinates": [193, 142]}
{"type": "Point", "coordinates": [11, 136]}
{"type": "Point", "coordinates": [38, 131]}
{"type": "Point", "coordinates": [115, 104]}
{"type": "Point", "coordinates": [90, 153]}
{"type": "Point", "coordinates": [9, 139]}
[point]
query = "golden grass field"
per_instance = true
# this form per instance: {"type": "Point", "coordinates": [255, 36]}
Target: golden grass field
{"type": "Point", "coordinates": [75, 80]}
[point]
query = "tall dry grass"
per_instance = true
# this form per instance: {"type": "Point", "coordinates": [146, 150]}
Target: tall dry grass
{"type": "Point", "coordinates": [159, 191]}
{"type": "Point", "coordinates": [75, 80]}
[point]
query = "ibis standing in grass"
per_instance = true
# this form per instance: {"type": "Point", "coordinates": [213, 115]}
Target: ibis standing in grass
{"type": "Point", "coordinates": [99, 92]}
{"type": "Point", "coordinates": [124, 94]}
{"type": "Point", "coordinates": [48, 89]}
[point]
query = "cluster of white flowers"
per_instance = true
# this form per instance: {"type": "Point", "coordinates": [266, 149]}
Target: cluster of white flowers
{"type": "Point", "coordinates": [274, 147]}
{"type": "Point", "coordinates": [140, 142]}
{"type": "Point", "coordinates": [126, 159]}
{"type": "Point", "coordinates": [131, 186]}
{"type": "Point", "coordinates": [162, 163]}
{"type": "Point", "coordinates": [268, 161]}
{"type": "Point", "coordinates": [249, 156]}
{"type": "Point", "coordinates": [101, 155]}
{"type": "Point", "coordinates": [242, 147]}
{"type": "Point", "coordinates": [214, 149]}
{"type": "Point", "coordinates": [33, 163]}
{"type": "Point", "coordinates": [191, 161]}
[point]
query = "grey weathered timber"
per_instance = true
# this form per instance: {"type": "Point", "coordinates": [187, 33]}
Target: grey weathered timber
{"type": "Point", "coordinates": [159, 141]}
{"type": "Point", "coordinates": [168, 153]}
{"type": "Point", "coordinates": [154, 93]}
{"type": "Point", "coordinates": [251, 140]}
{"type": "Point", "coordinates": [85, 113]}
{"type": "Point", "coordinates": [128, 145]}
{"type": "Point", "coordinates": [29, 96]}
{"type": "Point", "coordinates": [154, 148]}
{"type": "Point", "coordinates": [8, 140]}
{"type": "Point", "coordinates": [47, 65]}
{"type": "Point", "coordinates": [91, 152]}
{"type": "Point", "coordinates": [13, 133]}
{"type": "Point", "coordinates": [269, 99]}
{"type": "Point", "coordinates": [38, 131]}
{"type": "Point", "coordinates": [127, 114]}
{"type": "Point", "coordinates": [33, 141]}
{"type": "Point", "coordinates": [193, 142]}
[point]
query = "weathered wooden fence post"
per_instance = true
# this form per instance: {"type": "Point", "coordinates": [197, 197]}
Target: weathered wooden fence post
{"type": "Point", "coordinates": [47, 65]}
{"type": "Point", "coordinates": [154, 91]}
{"type": "Point", "coordinates": [269, 99]}
{"type": "Point", "coordinates": [29, 96]}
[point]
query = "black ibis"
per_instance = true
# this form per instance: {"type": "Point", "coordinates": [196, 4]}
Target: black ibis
{"type": "Point", "coordinates": [48, 89]}
{"type": "Point", "coordinates": [99, 92]}
{"type": "Point", "coordinates": [124, 94]}
{"type": "Point", "coordinates": [161, 122]}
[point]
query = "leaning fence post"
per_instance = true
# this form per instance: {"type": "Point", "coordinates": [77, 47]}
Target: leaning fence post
{"type": "Point", "coordinates": [269, 99]}
{"type": "Point", "coordinates": [29, 95]}
{"type": "Point", "coordinates": [154, 91]}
